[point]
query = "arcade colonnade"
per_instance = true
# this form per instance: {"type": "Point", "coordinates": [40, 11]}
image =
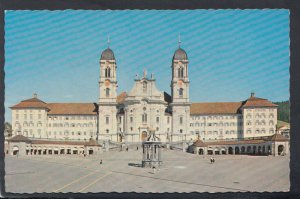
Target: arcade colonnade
{"type": "Point", "coordinates": [20, 145]}
{"type": "Point", "coordinates": [275, 145]}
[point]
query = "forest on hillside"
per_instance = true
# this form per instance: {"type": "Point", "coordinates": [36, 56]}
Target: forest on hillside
{"type": "Point", "coordinates": [283, 111]}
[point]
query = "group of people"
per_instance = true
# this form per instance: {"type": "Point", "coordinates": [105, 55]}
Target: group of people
{"type": "Point", "coordinates": [212, 160]}
{"type": "Point", "coordinates": [137, 148]}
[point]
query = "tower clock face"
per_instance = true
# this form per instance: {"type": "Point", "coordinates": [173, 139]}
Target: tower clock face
{"type": "Point", "coordinates": [107, 83]}
{"type": "Point", "coordinates": [180, 83]}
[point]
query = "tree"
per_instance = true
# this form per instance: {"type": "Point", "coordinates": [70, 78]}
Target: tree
{"type": "Point", "coordinates": [283, 111]}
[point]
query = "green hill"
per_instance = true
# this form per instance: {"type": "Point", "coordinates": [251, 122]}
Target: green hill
{"type": "Point", "coordinates": [283, 111]}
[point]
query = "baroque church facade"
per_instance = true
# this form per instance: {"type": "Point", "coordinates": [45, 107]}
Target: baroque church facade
{"type": "Point", "coordinates": [128, 117]}
{"type": "Point", "coordinates": [131, 115]}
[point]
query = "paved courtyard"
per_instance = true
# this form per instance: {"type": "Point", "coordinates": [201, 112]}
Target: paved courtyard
{"type": "Point", "coordinates": [121, 172]}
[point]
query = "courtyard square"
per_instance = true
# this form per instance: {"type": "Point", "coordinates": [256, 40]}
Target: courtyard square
{"type": "Point", "coordinates": [122, 172]}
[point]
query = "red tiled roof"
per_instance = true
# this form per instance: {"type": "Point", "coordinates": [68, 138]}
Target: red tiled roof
{"type": "Point", "coordinates": [199, 143]}
{"type": "Point", "coordinates": [279, 138]}
{"type": "Point", "coordinates": [92, 142]}
{"type": "Point", "coordinates": [89, 143]}
{"type": "Point", "coordinates": [72, 108]}
{"type": "Point", "coordinates": [236, 142]}
{"type": "Point", "coordinates": [215, 108]}
{"type": "Point", "coordinates": [121, 97]}
{"type": "Point", "coordinates": [19, 138]}
{"type": "Point", "coordinates": [258, 102]}
{"type": "Point", "coordinates": [31, 103]}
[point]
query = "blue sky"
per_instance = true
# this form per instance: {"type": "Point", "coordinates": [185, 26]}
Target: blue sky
{"type": "Point", "coordinates": [231, 52]}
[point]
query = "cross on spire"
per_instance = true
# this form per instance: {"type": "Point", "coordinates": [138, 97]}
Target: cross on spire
{"type": "Point", "coordinates": [108, 41]}
{"type": "Point", "coordinates": [179, 41]}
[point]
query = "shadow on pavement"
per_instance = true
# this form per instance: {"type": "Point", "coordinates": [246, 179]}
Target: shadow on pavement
{"type": "Point", "coordinates": [134, 165]}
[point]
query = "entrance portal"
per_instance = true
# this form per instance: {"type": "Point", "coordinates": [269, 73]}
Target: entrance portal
{"type": "Point", "coordinates": [91, 152]}
{"type": "Point", "coordinates": [230, 150]}
{"type": "Point", "coordinates": [144, 136]}
{"type": "Point", "coordinates": [201, 152]}
{"type": "Point", "coordinates": [280, 149]}
{"type": "Point", "coordinates": [15, 150]}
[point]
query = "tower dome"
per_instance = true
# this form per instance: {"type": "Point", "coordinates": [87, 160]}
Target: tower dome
{"type": "Point", "coordinates": [180, 54]}
{"type": "Point", "coordinates": [107, 54]}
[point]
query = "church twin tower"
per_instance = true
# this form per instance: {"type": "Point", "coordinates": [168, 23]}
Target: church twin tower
{"type": "Point", "coordinates": [109, 108]}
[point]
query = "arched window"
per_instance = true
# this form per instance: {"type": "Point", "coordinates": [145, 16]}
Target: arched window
{"type": "Point", "coordinates": [107, 92]}
{"type": "Point", "coordinates": [180, 72]}
{"type": "Point", "coordinates": [180, 92]}
{"type": "Point", "coordinates": [107, 72]}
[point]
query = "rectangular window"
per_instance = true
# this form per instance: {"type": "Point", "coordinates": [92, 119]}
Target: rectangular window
{"type": "Point", "coordinates": [157, 119]}
{"type": "Point", "coordinates": [107, 120]}
{"type": "Point", "coordinates": [181, 120]}
{"type": "Point", "coordinates": [131, 119]}
{"type": "Point", "coordinates": [17, 116]}
{"type": "Point", "coordinates": [144, 117]}
{"type": "Point", "coordinates": [25, 116]}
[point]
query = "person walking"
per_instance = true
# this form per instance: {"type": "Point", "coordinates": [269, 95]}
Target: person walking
{"type": "Point", "coordinates": [211, 160]}
{"type": "Point", "coordinates": [100, 161]}
{"type": "Point", "coordinates": [137, 148]}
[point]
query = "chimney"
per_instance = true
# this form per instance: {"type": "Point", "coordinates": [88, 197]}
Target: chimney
{"type": "Point", "coordinates": [34, 95]}
{"type": "Point", "coordinates": [252, 94]}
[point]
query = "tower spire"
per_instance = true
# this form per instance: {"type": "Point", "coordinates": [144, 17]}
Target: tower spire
{"type": "Point", "coordinates": [108, 41]}
{"type": "Point", "coordinates": [179, 41]}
